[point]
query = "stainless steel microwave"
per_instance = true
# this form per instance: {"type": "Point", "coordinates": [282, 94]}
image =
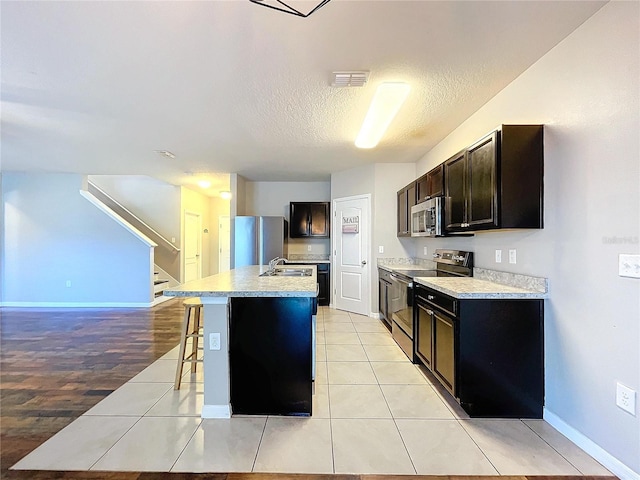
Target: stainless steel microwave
{"type": "Point", "coordinates": [426, 218]}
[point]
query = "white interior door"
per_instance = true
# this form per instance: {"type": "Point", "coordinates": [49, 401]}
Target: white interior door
{"type": "Point", "coordinates": [192, 246]}
{"type": "Point", "coordinates": [224, 240]}
{"type": "Point", "coordinates": [351, 241]}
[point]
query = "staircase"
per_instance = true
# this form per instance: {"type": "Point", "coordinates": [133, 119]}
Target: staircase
{"type": "Point", "coordinates": [165, 254]}
{"type": "Point", "coordinates": [159, 285]}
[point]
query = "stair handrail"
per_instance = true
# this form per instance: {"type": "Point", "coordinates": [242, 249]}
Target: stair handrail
{"type": "Point", "coordinates": [156, 234]}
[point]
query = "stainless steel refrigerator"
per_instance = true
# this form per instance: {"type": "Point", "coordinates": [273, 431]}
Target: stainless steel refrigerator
{"type": "Point", "coordinates": [256, 240]}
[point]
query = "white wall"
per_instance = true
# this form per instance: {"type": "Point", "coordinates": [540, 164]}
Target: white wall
{"type": "Point", "coordinates": [218, 207]}
{"type": "Point", "coordinates": [273, 198]}
{"type": "Point", "coordinates": [388, 179]}
{"type": "Point", "coordinates": [238, 187]}
{"type": "Point", "coordinates": [52, 234]}
{"type": "Point", "coordinates": [2, 223]}
{"type": "Point", "coordinates": [585, 91]}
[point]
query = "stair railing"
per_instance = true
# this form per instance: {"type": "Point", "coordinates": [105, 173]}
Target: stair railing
{"type": "Point", "coordinates": [125, 213]}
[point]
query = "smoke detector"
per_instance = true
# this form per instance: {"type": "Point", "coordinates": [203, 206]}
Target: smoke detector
{"type": "Point", "coordinates": [349, 79]}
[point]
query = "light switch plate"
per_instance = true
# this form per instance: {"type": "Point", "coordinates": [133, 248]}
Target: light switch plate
{"type": "Point", "coordinates": [214, 341]}
{"type": "Point", "coordinates": [629, 266]}
{"type": "Point", "coordinates": [381, 249]}
{"type": "Point", "coordinates": [512, 256]}
{"type": "Point", "coordinates": [498, 256]}
{"type": "Point", "coordinates": [425, 250]}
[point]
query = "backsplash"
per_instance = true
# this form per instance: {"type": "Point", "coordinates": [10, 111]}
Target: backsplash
{"type": "Point", "coordinates": [422, 262]}
{"type": "Point", "coordinates": [537, 284]}
{"type": "Point", "coordinates": [300, 257]}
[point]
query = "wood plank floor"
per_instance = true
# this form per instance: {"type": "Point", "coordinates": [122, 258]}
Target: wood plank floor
{"type": "Point", "coordinates": [56, 364]}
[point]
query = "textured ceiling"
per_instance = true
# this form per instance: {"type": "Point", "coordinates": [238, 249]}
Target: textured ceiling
{"type": "Point", "coordinates": [229, 86]}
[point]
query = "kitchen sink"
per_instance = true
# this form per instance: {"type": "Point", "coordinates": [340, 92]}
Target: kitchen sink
{"type": "Point", "coordinates": [288, 272]}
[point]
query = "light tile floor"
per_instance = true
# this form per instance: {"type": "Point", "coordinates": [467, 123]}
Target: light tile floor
{"type": "Point", "coordinates": [373, 413]}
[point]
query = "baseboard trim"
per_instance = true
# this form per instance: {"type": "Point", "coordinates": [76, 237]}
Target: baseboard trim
{"type": "Point", "coordinates": [216, 411]}
{"type": "Point", "coordinates": [610, 462]}
{"type": "Point", "coordinates": [160, 299]}
{"type": "Point", "coordinates": [76, 304]}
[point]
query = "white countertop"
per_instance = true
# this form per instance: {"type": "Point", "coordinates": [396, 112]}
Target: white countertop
{"type": "Point", "coordinates": [246, 282]}
{"type": "Point", "coordinates": [469, 287]}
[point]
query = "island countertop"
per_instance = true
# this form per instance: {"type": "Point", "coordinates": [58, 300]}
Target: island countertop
{"type": "Point", "coordinates": [246, 282]}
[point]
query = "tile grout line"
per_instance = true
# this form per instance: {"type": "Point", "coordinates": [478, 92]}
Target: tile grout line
{"type": "Point", "coordinates": [551, 446]}
{"type": "Point", "coordinates": [115, 443]}
{"type": "Point", "coordinates": [142, 416]}
{"type": "Point", "coordinates": [459, 420]}
{"type": "Point", "coordinates": [415, 470]}
{"type": "Point", "coordinates": [255, 458]}
{"type": "Point", "coordinates": [333, 452]}
{"type": "Point", "coordinates": [186, 444]}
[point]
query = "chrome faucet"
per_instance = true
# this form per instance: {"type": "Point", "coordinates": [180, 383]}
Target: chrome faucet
{"type": "Point", "coordinates": [274, 262]}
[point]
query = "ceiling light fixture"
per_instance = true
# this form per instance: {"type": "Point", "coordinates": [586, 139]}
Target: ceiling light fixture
{"type": "Point", "coordinates": [283, 7]}
{"type": "Point", "coordinates": [204, 183]}
{"type": "Point", "coordinates": [386, 102]}
{"type": "Point", "coordinates": [225, 194]}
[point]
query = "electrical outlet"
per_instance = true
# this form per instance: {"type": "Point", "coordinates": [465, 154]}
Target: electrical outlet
{"type": "Point", "coordinates": [68, 283]}
{"type": "Point", "coordinates": [308, 248]}
{"type": "Point", "coordinates": [425, 251]}
{"type": "Point", "coordinates": [381, 249]}
{"type": "Point", "coordinates": [214, 341]}
{"type": "Point", "coordinates": [629, 266]}
{"type": "Point", "coordinates": [173, 239]}
{"type": "Point", "coordinates": [626, 398]}
{"type": "Point", "coordinates": [498, 256]}
{"type": "Point", "coordinates": [512, 256]}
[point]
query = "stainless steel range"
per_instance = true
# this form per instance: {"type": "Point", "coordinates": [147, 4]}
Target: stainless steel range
{"type": "Point", "coordinates": [449, 263]}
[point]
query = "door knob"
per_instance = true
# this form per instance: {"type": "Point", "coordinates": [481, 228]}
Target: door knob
{"type": "Point", "coordinates": [364, 262]}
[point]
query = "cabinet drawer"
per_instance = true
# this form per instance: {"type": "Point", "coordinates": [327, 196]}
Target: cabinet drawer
{"type": "Point", "coordinates": [437, 299]}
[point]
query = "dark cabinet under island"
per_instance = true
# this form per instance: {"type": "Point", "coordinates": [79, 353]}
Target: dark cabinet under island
{"type": "Point", "coordinates": [270, 355]}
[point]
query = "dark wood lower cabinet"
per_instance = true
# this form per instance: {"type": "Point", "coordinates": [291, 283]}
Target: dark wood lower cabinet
{"type": "Point", "coordinates": [489, 353]}
{"type": "Point", "coordinates": [270, 355]}
{"type": "Point", "coordinates": [324, 283]}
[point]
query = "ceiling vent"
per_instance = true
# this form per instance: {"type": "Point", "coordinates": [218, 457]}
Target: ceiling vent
{"type": "Point", "coordinates": [349, 79]}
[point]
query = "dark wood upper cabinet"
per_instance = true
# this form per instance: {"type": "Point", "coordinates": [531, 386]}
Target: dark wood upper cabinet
{"type": "Point", "coordinates": [406, 198]}
{"type": "Point", "coordinates": [470, 187]}
{"type": "Point", "coordinates": [497, 182]}
{"type": "Point", "coordinates": [455, 208]}
{"type": "Point", "coordinates": [309, 219]}
{"type": "Point", "coordinates": [431, 184]}
{"type": "Point", "coordinates": [482, 194]}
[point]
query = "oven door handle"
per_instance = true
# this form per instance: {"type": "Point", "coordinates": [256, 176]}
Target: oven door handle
{"type": "Point", "coordinates": [400, 280]}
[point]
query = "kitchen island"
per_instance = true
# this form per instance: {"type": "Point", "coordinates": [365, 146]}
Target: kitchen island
{"type": "Point", "coordinates": [258, 333]}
